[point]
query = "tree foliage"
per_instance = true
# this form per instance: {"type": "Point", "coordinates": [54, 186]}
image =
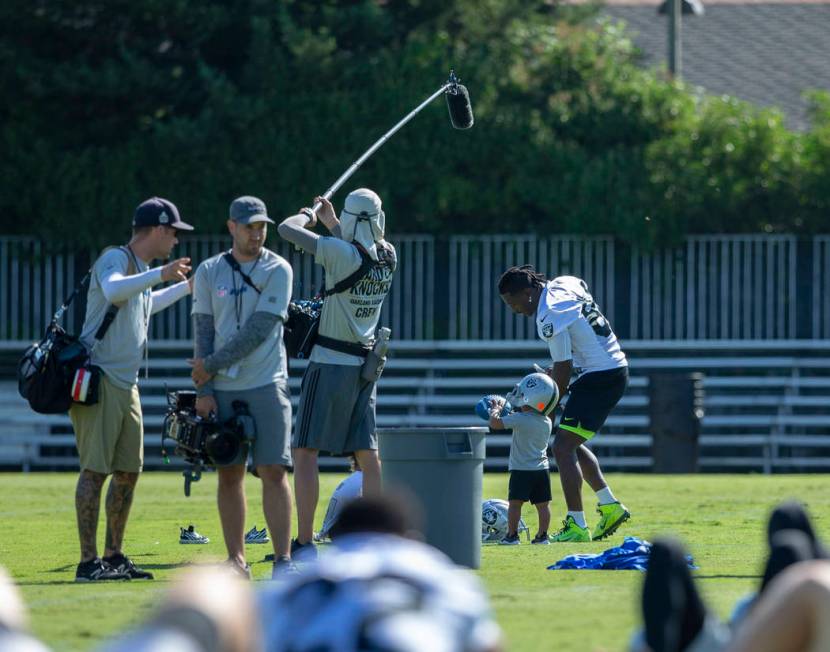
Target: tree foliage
{"type": "Point", "coordinates": [111, 101]}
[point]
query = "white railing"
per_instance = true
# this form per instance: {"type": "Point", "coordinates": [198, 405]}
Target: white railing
{"type": "Point", "coordinates": [33, 284]}
{"type": "Point", "coordinates": [716, 287]}
{"type": "Point", "coordinates": [408, 310]}
{"type": "Point", "coordinates": [765, 403]}
{"type": "Point", "coordinates": [711, 288]}
{"type": "Point", "coordinates": [476, 262]}
{"type": "Point", "coordinates": [821, 287]}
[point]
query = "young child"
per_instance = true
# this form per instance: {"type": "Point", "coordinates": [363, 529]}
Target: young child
{"type": "Point", "coordinates": [533, 399]}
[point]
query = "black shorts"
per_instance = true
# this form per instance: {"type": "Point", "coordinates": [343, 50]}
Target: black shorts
{"type": "Point", "coordinates": [529, 485]}
{"type": "Point", "coordinates": [591, 399]}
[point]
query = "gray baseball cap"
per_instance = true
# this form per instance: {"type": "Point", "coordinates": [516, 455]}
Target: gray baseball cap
{"type": "Point", "coordinates": [247, 210]}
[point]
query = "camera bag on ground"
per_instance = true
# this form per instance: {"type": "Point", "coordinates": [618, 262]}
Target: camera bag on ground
{"type": "Point", "coordinates": [56, 371]}
{"type": "Point", "coordinates": [300, 330]}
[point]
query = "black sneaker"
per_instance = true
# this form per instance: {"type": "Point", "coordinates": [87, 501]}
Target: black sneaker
{"type": "Point", "coordinates": [283, 566]}
{"type": "Point", "coordinates": [97, 570]}
{"type": "Point", "coordinates": [303, 551]}
{"type": "Point", "coordinates": [510, 540]}
{"type": "Point", "coordinates": [125, 565]}
{"type": "Point", "coordinates": [541, 539]}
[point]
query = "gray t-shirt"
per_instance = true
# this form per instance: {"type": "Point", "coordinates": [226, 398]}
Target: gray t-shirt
{"type": "Point", "coordinates": [121, 352]}
{"type": "Point", "coordinates": [221, 292]}
{"type": "Point", "coordinates": [353, 315]}
{"type": "Point", "coordinates": [529, 447]}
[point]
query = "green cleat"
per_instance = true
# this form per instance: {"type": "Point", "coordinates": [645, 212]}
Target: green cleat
{"type": "Point", "coordinates": [611, 516]}
{"type": "Point", "coordinates": [571, 533]}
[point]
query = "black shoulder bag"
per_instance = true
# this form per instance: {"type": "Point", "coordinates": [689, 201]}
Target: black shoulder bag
{"type": "Point", "coordinates": [46, 371]}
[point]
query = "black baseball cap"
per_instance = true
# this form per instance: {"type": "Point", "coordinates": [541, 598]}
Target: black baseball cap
{"type": "Point", "coordinates": [159, 212]}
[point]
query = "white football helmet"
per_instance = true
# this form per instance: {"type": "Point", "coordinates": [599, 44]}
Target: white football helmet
{"type": "Point", "coordinates": [537, 391]}
{"type": "Point", "coordinates": [494, 521]}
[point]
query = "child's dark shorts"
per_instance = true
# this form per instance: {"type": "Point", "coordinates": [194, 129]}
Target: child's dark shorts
{"type": "Point", "coordinates": [530, 485]}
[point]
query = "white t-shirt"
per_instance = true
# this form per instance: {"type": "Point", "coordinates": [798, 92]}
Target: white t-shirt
{"type": "Point", "coordinates": [570, 322]}
{"type": "Point", "coordinates": [121, 351]}
{"type": "Point", "coordinates": [529, 446]}
{"type": "Point", "coordinates": [353, 315]}
{"type": "Point", "coordinates": [347, 490]}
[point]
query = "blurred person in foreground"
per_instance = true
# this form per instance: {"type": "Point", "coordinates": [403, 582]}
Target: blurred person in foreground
{"type": "Point", "coordinates": [791, 538]}
{"type": "Point", "coordinates": [793, 615]}
{"type": "Point", "coordinates": [789, 613]}
{"type": "Point", "coordinates": [207, 609]}
{"type": "Point", "coordinates": [379, 589]}
{"type": "Point", "coordinates": [14, 620]}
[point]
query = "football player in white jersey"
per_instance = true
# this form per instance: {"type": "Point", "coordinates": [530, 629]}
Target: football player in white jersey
{"type": "Point", "coordinates": [582, 346]}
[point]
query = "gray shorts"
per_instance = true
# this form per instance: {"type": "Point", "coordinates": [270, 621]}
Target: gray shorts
{"type": "Point", "coordinates": [270, 406]}
{"type": "Point", "coordinates": [337, 410]}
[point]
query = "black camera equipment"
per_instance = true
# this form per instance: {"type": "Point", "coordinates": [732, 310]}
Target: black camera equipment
{"type": "Point", "coordinates": [204, 442]}
{"type": "Point", "coordinates": [300, 329]}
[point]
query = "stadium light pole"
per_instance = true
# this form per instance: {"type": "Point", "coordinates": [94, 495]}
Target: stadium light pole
{"type": "Point", "coordinates": [675, 9]}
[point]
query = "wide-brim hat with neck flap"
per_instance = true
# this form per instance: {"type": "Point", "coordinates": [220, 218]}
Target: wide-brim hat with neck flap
{"type": "Point", "coordinates": [362, 220]}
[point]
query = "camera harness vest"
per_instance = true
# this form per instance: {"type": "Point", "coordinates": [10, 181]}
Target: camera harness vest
{"type": "Point", "coordinates": [366, 263]}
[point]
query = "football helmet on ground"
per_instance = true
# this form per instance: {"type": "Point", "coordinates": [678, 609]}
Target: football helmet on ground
{"type": "Point", "coordinates": [494, 521]}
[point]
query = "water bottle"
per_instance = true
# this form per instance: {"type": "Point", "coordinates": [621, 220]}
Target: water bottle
{"type": "Point", "coordinates": [382, 342]}
{"type": "Point", "coordinates": [375, 361]}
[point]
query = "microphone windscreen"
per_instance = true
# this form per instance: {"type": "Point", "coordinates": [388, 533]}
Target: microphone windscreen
{"type": "Point", "coordinates": [458, 102]}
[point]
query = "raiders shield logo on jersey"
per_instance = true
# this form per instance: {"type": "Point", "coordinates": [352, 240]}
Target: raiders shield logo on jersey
{"type": "Point", "coordinates": [547, 330]}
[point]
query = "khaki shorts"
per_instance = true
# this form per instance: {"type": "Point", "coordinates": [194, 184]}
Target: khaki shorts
{"type": "Point", "coordinates": [110, 434]}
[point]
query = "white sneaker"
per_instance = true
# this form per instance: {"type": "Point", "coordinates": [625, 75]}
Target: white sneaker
{"type": "Point", "coordinates": [256, 536]}
{"type": "Point", "coordinates": [190, 535]}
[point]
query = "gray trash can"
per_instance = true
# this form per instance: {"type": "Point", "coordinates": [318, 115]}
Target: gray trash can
{"type": "Point", "coordinates": [444, 468]}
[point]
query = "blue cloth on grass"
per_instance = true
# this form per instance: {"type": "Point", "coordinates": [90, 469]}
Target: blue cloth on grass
{"type": "Point", "coordinates": [631, 555]}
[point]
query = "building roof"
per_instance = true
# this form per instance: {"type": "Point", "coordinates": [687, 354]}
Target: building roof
{"type": "Point", "coordinates": [768, 53]}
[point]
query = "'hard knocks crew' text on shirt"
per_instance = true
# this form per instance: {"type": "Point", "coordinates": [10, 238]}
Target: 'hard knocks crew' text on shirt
{"type": "Point", "coordinates": [353, 315]}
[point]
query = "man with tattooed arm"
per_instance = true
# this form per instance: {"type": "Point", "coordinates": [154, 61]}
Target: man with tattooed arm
{"type": "Point", "coordinates": [110, 433]}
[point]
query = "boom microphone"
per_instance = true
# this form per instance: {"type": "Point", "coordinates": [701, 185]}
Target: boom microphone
{"type": "Point", "coordinates": [461, 116]}
{"type": "Point", "coordinates": [458, 103]}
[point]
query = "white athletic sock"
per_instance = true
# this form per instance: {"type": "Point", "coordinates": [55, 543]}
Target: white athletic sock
{"type": "Point", "coordinates": [579, 517]}
{"type": "Point", "coordinates": [604, 496]}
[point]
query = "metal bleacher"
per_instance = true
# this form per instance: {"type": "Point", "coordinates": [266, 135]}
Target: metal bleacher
{"type": "Point", "coordinates": [766, 405]}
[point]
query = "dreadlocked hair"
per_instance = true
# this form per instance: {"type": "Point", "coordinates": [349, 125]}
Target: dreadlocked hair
{"type": "Point", "coordinates": [520, 278]}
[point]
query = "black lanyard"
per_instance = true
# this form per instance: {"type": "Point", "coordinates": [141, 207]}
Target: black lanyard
{"type": "Point", "coordinates": [246, 278]}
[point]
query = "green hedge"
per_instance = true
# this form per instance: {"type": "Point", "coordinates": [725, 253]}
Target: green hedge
{"type": "Point", "coordinates": [114, 101]}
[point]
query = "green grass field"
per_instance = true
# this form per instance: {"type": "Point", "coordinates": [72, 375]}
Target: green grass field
{"type": "Point", "coordinates": [721, 518]}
